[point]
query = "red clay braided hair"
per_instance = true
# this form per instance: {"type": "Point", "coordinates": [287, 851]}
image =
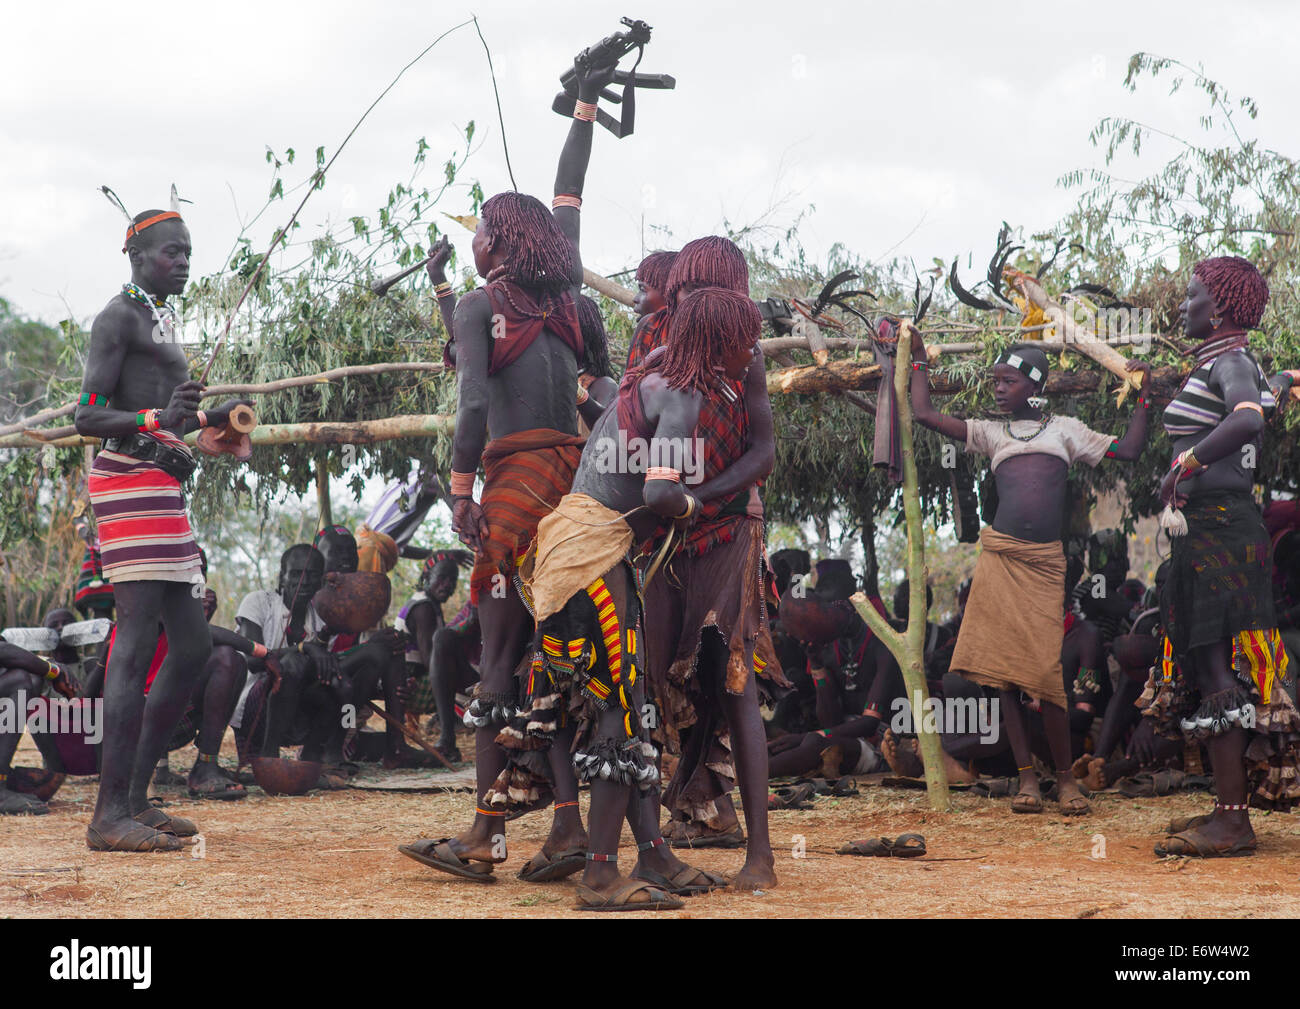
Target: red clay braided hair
{"type": "Point", "coordinates": [707, 326]}
{"type": "Point", "coordinates": [537, 253]}
{"type": "Point", "coordinates": [707, 262]}
{"type": "Point", "coordinates": [653, 271]}
{"type": "Point", "coordinates": [1237, 288]}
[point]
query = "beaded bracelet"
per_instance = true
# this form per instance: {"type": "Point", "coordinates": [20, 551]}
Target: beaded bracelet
{"type": "Point", "coordinates": [442, 289]}
{"type": "Point", "coordinates": [147, 420]}
{"type": "Point", "coordinates": [95, 399]}
{"type": "Point", "coordinates": [920, 365]}
{"type": "Point", "coordinates": [52, 671]}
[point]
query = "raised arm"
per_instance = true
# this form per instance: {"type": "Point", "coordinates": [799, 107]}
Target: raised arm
{"type": "Point", "coordinates": [576, 155]}
{"type": "Point", "coordinates": [442, 292]}
{"type": "Point", "coordinates": [1129, 447]}
{"type": "Point", "coordinates": [922, 409]}
{"type": "Point", "coordinates": [760, 453]}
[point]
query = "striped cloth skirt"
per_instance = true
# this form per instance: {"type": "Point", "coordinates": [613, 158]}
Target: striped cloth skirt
{"type": "Point", "coordinates": [144, 533]}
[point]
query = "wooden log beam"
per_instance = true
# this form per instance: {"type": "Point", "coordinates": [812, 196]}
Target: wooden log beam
{"type": "Point", "coordinates": [362, 432]}
{"type": "Point", "coordinates": [609, 288]}
{"type": "Point", "coordinates": [839, 376]}
{"type": "Point", "coordinates": [1076, 337]}
{"type": "Point", "coordinates": [244, 389]}
{"type": "Point", "coordinates": [833, 376]}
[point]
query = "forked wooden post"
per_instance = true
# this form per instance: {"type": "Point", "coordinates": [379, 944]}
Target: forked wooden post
{"type": "Point", "coordinates": [909, 646]}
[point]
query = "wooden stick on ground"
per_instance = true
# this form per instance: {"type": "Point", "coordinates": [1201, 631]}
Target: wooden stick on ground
{"type": "Point", "coordinates": [416, 738]}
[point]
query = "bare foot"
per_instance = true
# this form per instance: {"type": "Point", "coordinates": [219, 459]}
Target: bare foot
{"type": "Point", "coordinates": [758, 873]}
{"type": "Point", "coordinates": [1091, 771]}
{"type": "Point", "coordinates": [901, 756]}
{"type": "Point", "coordinates": [958, 773]}
{"type": "Point", "coordinates": [832, 758]}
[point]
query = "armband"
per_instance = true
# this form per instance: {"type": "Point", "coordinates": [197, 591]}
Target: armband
{"type": "Point", "coordinates": [92, 399]}
{"type": "Point", "coordinates": [1249, 406]}
{"type": "Point", "coordinates": [147, 420]}
{"type": "Point", "coordinates": [920, 365]}
{"type": "Point", "coordinates": [1114, 447]}
{"type": "Point", "coordinates": [462, 484]}
{"type": "Point", "coordinates": [586, 111]}
{"type": "Point", "coordinates": [1188, 463]}
{"type": "Point", "coordinates": [567, 200]}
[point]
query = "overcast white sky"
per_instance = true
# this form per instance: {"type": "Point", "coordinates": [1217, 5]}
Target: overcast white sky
{"type": "Point", "coordinates": [914, 128]}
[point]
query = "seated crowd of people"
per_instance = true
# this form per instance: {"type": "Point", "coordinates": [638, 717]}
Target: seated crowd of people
{"type": "Point", "coordinates": [283, 677]}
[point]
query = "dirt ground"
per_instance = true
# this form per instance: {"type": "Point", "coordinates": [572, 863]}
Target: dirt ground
{"type": "Point", "coordinates": [333, 854]}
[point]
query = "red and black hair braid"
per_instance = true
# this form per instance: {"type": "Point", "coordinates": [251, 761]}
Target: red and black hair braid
{"type": "Point", "coordinates": [708, 326]}
{"type": "Point", "coordinates": [707, 262]}
{"type": "Point", "coordinates": [537, 253]}
{"type": "Point", "coordinates": [1236, 287]}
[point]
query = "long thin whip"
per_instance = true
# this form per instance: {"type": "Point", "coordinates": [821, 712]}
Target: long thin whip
{"type": "Point", "coordinates": [319, 177]}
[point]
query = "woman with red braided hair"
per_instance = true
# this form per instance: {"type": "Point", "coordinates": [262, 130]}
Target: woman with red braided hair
{"type": "Point", "coordinates": [580, 578]}
{"type": "Point", "coordinates": [1221, 679]}
{"type": "Point", "coordinates": [518, 345]}
{"type": "Point", "coordinates": [650, 306]}
{"type": "Point", "coordinates": [708, 624]}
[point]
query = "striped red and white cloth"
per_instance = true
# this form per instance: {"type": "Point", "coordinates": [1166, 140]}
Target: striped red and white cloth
{"type": "Point", "coordinates": [144, 533]}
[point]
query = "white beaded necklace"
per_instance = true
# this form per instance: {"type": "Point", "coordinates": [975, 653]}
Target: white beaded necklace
{"type": "Point", "coordinates": [167, 320]}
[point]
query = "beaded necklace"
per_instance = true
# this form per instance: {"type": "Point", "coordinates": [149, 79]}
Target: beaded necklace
{"type": "Point", "coordinates": [166, 319]}
{"type": "Point", "coordinates": [1042, 426]}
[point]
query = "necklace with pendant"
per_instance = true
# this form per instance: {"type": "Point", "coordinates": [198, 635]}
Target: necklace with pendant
{"type": "Point", "coordinates": [164, 316]}
{"type": "Point", "coordinates": [1042, 426]}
